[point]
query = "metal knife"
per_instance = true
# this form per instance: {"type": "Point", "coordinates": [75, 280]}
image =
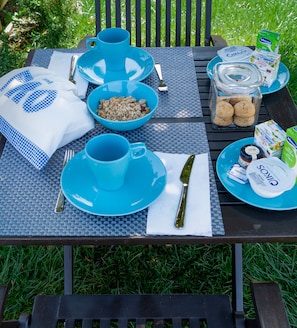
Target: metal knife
{"type": "Point", "coordinates": [184, 178]}
{"type": "Point", "coordinates": [74, 59]}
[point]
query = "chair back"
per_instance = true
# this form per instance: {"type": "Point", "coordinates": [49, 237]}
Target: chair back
{"type": "Point", "coordinates": [155, 23]}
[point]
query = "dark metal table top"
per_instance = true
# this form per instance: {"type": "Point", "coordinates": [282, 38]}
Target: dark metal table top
{"type": "Point", "coordinates": [243, 223]}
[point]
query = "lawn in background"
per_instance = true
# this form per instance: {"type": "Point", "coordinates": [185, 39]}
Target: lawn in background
{"type": "Point", "coordinates": [145, 269]}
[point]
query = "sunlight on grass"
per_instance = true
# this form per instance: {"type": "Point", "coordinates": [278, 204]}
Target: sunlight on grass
{"type": "Point", "coordinates": [239, 22]}
{"type": "Point", "coordinates": [147, 269]}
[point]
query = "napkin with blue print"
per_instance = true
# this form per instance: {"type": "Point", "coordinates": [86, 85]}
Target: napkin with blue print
{"type": "Point", "coordinates": [40, 112]}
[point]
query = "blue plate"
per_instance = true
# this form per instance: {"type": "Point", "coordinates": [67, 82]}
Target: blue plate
{"type": "Point", "coordinates": [283, 76]}
{"type": "Point", "coordinates": [229, 155]}
{"type": "Point", "coordinates": [145, 181]}
{"type": "Point", "coordinates": [135, 89]}
{"type": "Point", "coordinates": [139, 65]}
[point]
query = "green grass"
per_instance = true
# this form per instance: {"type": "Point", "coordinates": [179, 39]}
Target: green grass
{"type": "Point", "coordinates": [239, 22]}
{"type": "Point", "coordinates": [64, 23]}
{"type": "Point", "coordinates": [147, 269]}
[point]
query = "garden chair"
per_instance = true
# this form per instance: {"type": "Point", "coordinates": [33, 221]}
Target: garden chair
{"type": "Point", "coordinates": [86, 311]}
{"type": "Point", "coordinates": [151, 25]}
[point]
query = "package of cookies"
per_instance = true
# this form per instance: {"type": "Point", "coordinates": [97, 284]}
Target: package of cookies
{"type": "Point", "coordinates": [235, 96]}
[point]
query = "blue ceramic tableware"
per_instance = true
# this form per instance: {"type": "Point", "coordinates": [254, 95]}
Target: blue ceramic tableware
{"type": "Point", "coordinates": [145, 181]}
{"type": "Point", "coordinates": [113, 45]}
{"type": "Point", "coordinates": [138, 90]}
{"type": "Point", "coordinates": [244, 192]}
{"type": "Point", "coordinates": [108, 157]}
{"type": "Point", "coordinates": [138, 66]}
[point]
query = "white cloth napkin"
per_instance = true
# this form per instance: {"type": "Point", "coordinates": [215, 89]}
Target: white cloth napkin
{"type": "Point", "coordinates": [60, 64]}
{"type": "Point", "coordinates": [161, 214]}
{"type": "Point", "coordinates": [40, 112]}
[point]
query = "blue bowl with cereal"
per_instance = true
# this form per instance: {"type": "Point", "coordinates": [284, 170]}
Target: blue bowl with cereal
{"type": "Point", "coordinates": [123, 105]}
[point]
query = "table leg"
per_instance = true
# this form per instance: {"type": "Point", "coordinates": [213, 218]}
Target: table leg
{"type": "Point", "coordinates": [237, 282]}
{"type": "Point", "coordinates": [68, 270]}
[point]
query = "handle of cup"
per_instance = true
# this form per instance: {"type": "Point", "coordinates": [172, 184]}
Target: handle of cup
{"type": "Point", "coordinates": [92, 43]}
{"type": "Point", "coordinates": [137, 150]}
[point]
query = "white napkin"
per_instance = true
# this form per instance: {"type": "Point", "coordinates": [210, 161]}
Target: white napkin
{"type": "Point", "coordinates": [40, 112]}
{"type": "Point", "coordinates": [161, 214]}
{"type": "Point", "coordinates": [60, 64]}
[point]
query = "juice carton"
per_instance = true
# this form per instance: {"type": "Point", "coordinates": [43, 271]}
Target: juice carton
{"type": "Point", "coordinates": [268, 41]}
{"type": "Point", "coordinates": [270, 137]}
{"type": "Point", "coordinates": [268, 64]}
{"type": "Point", "coordinates": [266, 56]}
{"type": "Point", "coordinates": [289, 154]}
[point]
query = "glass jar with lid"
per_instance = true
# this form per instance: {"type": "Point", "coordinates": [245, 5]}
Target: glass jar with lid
{"type": "Point", "coordinates": [235, 96]}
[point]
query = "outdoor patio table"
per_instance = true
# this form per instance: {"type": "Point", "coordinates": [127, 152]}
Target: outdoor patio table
{"type": "Point", "coordinates": [34, 222]}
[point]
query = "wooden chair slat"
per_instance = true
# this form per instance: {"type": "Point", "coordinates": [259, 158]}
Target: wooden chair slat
{"type": "Point", "coordinates": [198, 21]}
{"type": "Point", "coordinates": [118, 13]}
{"type": "Point", "coordinates": [175, 310]}
{"type": "Point", "coordinates": [269, 305]}
{"type": "Point", "coordinates": [148, 23]}
{"type": "Point", "coordinates": [158, 23]}
{"type": "Point", "coordinates": [168, 23]}
{"type": "Point", "coordinates": [188, 22]}
{"type": "Point", "coordinates": [144, 16]}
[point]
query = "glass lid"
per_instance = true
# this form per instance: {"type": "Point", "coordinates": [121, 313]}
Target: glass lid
{"type": "Point", "coordinates": [237, 77]}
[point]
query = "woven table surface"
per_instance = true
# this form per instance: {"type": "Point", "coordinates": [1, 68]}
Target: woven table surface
{"type": "Point", "coordinates": [28, 196]}
{"type": "Point", "coordinates": [182, 99]}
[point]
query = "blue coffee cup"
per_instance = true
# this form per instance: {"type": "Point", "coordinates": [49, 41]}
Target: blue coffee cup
{"type": "Point", "coordinates": [113, 45]}
{"type": "Point", "coordinates": [108, 157]}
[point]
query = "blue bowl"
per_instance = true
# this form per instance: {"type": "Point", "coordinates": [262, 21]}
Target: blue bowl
{"type": "Point", "coordinates": [136, 89]}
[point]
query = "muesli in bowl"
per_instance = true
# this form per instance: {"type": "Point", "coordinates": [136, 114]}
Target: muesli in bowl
{"type": "Point", "coordinates": [123, 105]}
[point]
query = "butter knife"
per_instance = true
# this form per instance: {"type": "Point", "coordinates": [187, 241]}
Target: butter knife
{"type": "Point", "coordinates": [74, 59]}
{"type": "Point", "coordinates": [184, 178]}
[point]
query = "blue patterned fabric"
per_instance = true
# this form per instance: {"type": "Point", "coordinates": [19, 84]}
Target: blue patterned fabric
{"type": "Point", "coordinates": [30, 151]}
{"type": "Point", "coordinates": [40, 112]}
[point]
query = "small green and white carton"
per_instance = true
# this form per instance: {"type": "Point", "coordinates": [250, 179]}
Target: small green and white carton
{"type": "Point", "coordinates": [268, 64]}
{"type": "Point", "coordinates": [289, 154]}
{"type": "Point", "coordinates": [266, 56]}
{"type": "Point", "coordinates": [270, 137]}
{"type": "Point", "coordinates": [268, 41]}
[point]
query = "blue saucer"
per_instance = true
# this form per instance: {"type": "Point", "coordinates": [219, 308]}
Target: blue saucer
{"type": "Point", "coordinates": [145, 181]}
{"type": "Point", "coordinates": [139, 65]}
{"type": "Point", "coordinates": [283, 76]}
{"type": "Point", "coordinates": [244, 192]}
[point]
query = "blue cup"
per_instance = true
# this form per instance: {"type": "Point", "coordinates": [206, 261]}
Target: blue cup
{"type": "Point", "coordinates": [108, 156]}
{"type": "Point", "coordinates": [113, 44]}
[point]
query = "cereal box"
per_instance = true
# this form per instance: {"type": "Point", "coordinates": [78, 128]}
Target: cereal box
{"type": "Point", "coordinates": [270, 137]}
{"type": "Point", "coordinates": [289, 154]}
